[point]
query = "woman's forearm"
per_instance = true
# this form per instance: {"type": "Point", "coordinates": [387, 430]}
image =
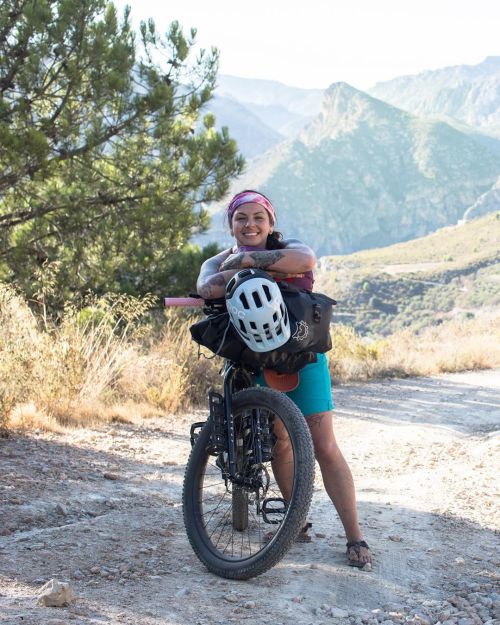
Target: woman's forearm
{"type": "Point", "coordinates": [214, 286]}
{"type": "Point", "coordinates": [286, 260]}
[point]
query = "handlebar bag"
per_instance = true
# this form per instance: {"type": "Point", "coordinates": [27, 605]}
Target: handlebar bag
{"type": "Point", "coordinates": [310, 316]}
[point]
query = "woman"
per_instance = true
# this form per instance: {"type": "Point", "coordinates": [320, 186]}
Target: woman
{"type": "Point", "coordinates": [251, 218]}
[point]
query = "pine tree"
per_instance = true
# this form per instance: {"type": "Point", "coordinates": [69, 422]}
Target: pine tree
{"type": "Point", "coordinates": [106, 155]}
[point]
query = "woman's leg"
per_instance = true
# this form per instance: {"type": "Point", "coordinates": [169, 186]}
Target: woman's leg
{"type": "Point", "coordinates": [337, 478]}
{"type": "Point", "coordinates": [282, 461]}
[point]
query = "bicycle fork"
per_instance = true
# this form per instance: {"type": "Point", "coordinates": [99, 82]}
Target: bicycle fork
{"type": "Point", "coordinates": [223, 436]}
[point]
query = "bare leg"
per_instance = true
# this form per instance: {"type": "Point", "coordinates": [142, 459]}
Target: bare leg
{"type": "Point", "coordinates": [337, 478]}
{"type": "Point", "coordinates": [282, 462]}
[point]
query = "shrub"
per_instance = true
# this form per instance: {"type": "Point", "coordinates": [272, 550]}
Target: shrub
{"type": "Point", "coordinates": [106, 363]}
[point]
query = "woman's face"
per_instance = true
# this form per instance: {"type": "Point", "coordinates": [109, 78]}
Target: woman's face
{"type": "Point", "coordinates": [251, 224]}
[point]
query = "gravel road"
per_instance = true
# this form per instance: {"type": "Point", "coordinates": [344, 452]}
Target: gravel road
{"type": "Point", "coordinates": [101, 510]}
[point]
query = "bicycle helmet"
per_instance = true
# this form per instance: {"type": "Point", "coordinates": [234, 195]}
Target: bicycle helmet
{"type": "Point", "coordinates": [257, 310]}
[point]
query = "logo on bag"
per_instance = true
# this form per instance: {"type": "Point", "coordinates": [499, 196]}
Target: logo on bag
{"type": "Point", "coordinates": [301, 331]}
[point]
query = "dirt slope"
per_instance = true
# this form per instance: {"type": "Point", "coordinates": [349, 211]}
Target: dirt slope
{"type": "Point", "coordinates": [101, 509]}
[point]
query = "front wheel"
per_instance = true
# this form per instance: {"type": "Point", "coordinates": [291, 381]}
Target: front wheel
{"type": "Point", "coordinates": [241, 528]}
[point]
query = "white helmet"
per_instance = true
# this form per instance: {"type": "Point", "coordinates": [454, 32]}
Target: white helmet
{"type": "Point", "coordinates": [257, 310]}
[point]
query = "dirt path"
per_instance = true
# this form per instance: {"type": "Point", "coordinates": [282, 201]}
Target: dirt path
{"type": "Point", "coordinates": [101, 509]}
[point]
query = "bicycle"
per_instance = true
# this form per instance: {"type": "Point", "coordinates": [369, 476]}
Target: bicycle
{"type": "Point", "coordinates": [231, 497]}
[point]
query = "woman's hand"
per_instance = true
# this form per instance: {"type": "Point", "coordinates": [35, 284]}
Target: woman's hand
{"type": "Point", "coordinates": [279, 275]}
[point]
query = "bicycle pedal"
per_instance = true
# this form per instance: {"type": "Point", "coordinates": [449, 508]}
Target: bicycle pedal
{"type": "Point", "coordinates": [217, 410]}
{"type": "Point", "coordinates": [273, 510]}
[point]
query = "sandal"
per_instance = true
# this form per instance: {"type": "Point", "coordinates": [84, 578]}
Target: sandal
{"type": "Point", "coordinates": [356, 545]}
{"type": "Point", "coordinates": [304, 536]}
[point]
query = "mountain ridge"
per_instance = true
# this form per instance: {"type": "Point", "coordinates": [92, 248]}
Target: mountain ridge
{"type": "Point", "coordinates": [468, 93]}
{"type": "Point", "coordinates": [364, 173]}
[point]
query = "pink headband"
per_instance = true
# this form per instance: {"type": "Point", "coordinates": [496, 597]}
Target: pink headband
{"type": "Point", "coordinates": [250, 197]}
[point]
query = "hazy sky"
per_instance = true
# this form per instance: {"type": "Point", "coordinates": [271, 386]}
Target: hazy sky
{"type": "Point", "coordinates": [313, 43]}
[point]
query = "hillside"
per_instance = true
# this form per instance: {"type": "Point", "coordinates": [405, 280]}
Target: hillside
{"type": "Point", "coordinates": [252, 134]}
{"type": "Point", "coordinates": [468, 93]}
{"type": "Point", "coordinates": [452, 273]}
{"type": "Point", "coordinates": [364, 174]}
{"type": "Point", "coordinates": [280, 106]}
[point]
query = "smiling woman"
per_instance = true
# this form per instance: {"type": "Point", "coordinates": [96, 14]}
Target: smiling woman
{"type": "Point", "coordinates": [252, 218]}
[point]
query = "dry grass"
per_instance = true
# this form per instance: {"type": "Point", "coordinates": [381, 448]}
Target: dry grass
{"type": "Point", "coordinates": [100, 366]}
{"type": "Point", "coordinates": [451, 347]}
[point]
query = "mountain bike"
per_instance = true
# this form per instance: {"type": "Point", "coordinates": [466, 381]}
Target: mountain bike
{"type": "Point", "coordinates": [237, 519]}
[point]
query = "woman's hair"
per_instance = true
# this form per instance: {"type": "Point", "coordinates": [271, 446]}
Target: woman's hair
{"type": "Point", "coordinates": [275, 239]}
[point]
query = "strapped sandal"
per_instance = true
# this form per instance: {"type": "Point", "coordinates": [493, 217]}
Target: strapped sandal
{"type": "Point", "coordinates": [356, 545]}
{"type": "Point", "coordinates": [303, 536]}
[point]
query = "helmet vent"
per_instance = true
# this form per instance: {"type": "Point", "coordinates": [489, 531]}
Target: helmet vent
{"type": "Point", "coordinates": [267, 291]}
{"type": "Point", "coordinates": [253, 325]}
{"type": "Point", "coordinates": [244, 301]}
{"type": "Point", "coordinates": [256, 299]}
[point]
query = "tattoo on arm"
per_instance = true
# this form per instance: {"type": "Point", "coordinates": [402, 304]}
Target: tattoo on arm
{"type": "Point", "coordinates": [265, 259]}
{"type": "Point", "coordinates": [235, 262]}
{"type": "Point", "coordinates": [207, 290]}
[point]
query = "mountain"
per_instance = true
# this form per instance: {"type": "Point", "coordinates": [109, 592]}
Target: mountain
{"type": "Point", "coordinates": [366, 174]}
{"type": "Point", "coordinates": [468, 93]}
{"type": "Point", "coordinates": [485, 203]}
{"type": "Point", "coordinates": [252, 134]}
{"type": "Point", "coordinates": [453, 273]}
{"type": "Point", "coordinates": [283, 108]}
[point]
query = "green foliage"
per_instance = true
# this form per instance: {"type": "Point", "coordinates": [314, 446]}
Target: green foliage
{"type": "Point", "coordinates": [419, 284]}
{"type": "Point", "coordinates": [105, 157]}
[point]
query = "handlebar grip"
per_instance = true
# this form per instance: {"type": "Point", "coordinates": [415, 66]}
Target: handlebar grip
{"type": "Point", "coordinates": [183, 301]}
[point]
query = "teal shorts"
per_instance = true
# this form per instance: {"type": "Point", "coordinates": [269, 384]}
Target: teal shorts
{"type": "Point", "coordinates": [314, 392]}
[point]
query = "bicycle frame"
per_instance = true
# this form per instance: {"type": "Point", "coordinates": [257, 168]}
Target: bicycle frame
{"type": "Point", "coordinates": [229, 372]}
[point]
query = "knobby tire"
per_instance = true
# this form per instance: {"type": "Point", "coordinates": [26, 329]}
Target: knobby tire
{"type": "Point", "coordinates": [238, 514]}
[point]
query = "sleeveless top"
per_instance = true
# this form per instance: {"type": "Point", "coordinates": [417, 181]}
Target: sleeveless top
{"type": "Point", "coordinates": [306, 282]}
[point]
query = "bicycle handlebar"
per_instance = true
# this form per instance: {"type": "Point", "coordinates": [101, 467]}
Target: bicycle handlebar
{"type": "Point", "coordinates": [183, 301]}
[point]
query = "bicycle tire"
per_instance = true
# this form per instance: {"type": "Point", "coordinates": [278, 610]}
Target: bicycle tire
{"type": "Point", "coordinates": [209, 547]}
